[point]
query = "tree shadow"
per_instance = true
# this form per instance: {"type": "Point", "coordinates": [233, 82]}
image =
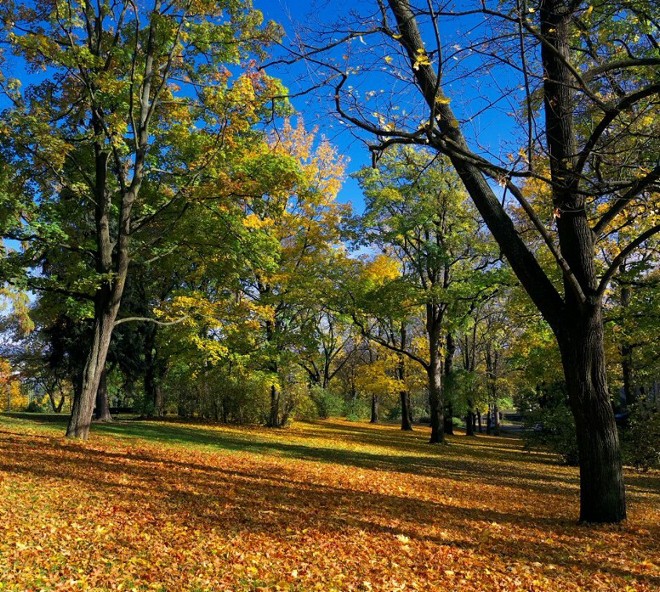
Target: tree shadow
{"type": "Point", "coordinates": [258, 498]}
{"type": "Point", "coordinates": [484, 460]}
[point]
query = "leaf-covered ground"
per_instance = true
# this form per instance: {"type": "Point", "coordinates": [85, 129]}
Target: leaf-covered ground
{"type": "Point", "coordinates": [325, 506]}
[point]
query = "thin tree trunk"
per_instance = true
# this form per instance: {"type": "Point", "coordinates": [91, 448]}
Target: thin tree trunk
{"type": "Point", "coordinates": [374, 409]}
{"type": "Point", "coordinates": [496, 418]}
{"type": "Point", "coordinates": [449, 368]}
{"type": "Point", "coordinates": [434, 373]}
{"type": "Point", "coordinates": [449, 418]}
{"type": "Point", "coordinates": [153, 373]}
{"type": "Point", "coordinates": [406, 411]}
{"type": "Point", "coordinates": [274, 415]}
{"type": "Point", "coordinates": [57, 407]}
{"type": "Point", "coordinates": [469, 420]}
{"type": "Point", "coordinates": [404, 394]}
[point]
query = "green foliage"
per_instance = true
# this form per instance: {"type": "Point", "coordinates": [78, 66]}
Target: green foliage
{"type": "Point", "coordinates": [550, 425]}
{"type": "Point", "coordinates": [328, 403]}
{"type": "Point", "coordinates": [357, 410]}
{"type": "Point", "coordinates": [34, 407]}
{"type": "Point", "coordinates": [641, 438]}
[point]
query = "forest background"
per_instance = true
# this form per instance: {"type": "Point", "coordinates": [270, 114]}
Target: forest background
{"type": "Point", "coordinates": [174, 241]}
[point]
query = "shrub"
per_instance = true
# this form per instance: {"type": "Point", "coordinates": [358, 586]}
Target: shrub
{"type": "Point", "coordinates": [34, 407]}
{"type": "Point", "coordinates": [552, 428]}
{"type": "Point", "coordinates": [641, 438]}
{"type": "Point", "coordinates": [357, 410]}
{"type": "Point", "coordinates": [328, 404]}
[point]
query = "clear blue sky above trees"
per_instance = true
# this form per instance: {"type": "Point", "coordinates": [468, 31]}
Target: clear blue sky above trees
{"type": "Point", "coordinates": [489, 130]}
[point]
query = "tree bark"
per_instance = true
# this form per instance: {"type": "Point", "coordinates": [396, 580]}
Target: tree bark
{"type": "Point", "coordinates": [404, 394]}
{"type": "Point", "coordinates": [626, 351]}
{"type": "Point", "coordinates": [489, 421]}
{"type": "Point", "coordinates": [449, 368]}
{"type": "Point", "coordinates": [469, 419]}
{"type": "Point", "coordinates": [102, 411]}
{"type": "Point", "coordinates": [274, 414]}
{"type": "Point", "coordinates": [602, 494]}
{"type": "Point", "coordinates": [434, 373]}
{"type": "Point", "coordinates": [406, 411]}
{"type": "Point", "coordinates": [83, 404]}
{"type": "Point", "coordinates": [374, 409]}
{"type": "Point", "coordinates": [153, 373]}
{"type": "Point", "coordinates": [580, 332]}
{"type": "Point", "coordinates": [434, 315]}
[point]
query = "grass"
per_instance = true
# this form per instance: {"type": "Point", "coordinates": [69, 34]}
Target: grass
{"type": "Point", "coordinates": [330, 505]}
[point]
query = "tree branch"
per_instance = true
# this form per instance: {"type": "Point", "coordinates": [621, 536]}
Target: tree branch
{"type": "Point", "coordinates": [618, 260]}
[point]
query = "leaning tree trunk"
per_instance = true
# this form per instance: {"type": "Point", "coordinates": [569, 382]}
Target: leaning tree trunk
{"type": "Point", "coordinates": [579, 334]}
{"type": "Point", "coordinates": [83, 405]}
{"type": "Point", "coordinates": [580, 331]}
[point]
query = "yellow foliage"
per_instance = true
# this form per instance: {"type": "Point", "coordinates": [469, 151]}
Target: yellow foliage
{"type": "Point", "coordinates": [252, 221]}
{"type": "Point", "coordinates": [382, 268]}
{"type": "Point", "coordinates": [11, 396]}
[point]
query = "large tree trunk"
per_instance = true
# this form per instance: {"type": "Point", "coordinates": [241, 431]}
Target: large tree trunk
{"type": "Point", "coordinates": [108, 295]}
{"type": "Point", "coordinates": [602, 496]}
{"type": "Point", "coordinates": [580, 332]}
{"type": "Point", "coordinates": [102, 411]}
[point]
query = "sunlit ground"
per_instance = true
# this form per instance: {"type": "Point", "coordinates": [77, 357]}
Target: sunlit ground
{"type": "Point", "coordinates": [332, 505]}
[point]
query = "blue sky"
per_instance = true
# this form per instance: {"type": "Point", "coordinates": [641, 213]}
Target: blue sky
{"type": "Point", "coordinates": [290, 14]}
{"type": "Point", "coordinates": [491, 129]}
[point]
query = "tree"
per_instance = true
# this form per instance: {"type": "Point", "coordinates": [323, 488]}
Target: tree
{"type": "Point", "coordinates": [416, 209]}
{"type": "Point", "coordinates": [136, 113]}
{"type": "Point", "coordinates": [301, 220]}
{"type": "Point", "coordinates": [584, 76]}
